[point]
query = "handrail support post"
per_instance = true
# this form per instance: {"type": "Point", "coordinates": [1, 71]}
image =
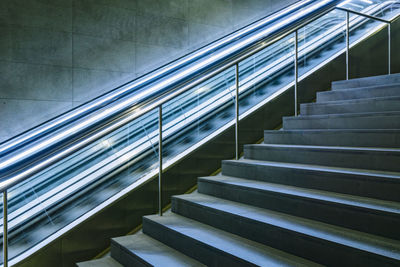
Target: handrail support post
{"type": "Point", "coordinates": [389, 48]}
{"type": "Point", "coordinates": [388, 22]}
{"type": "Point", "coordinates": [160, 159]}
{"type": "Point", "coordinates": [237, 111]}
{"type": "Point", "coordinates": [347, 43]}
{"type": "Point", "coordinates": [5, 230]}
{"type": "Point", "coordinates": [296, 70]}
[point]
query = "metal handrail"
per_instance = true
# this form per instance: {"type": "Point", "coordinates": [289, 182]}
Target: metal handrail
{"type": "Point", "coordinates": [388, 22]}
{"type": "Point", "coordinates": [277, 32]}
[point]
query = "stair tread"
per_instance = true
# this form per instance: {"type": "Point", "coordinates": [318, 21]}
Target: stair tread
{"type": "Point", "coordinates": [153, 252]}
{"type": "Point", "coordinates": [345, 115]}
{"type": "Point", "coordinates": [367, 138]}
{"type": "Point", "coordinates": [356, 82]}
{"type": "Point", "coordinates": [353, 101]}
{"type": "Point", "coordinates": [395, 176]}
{"type": "Point", "coordinates": [103, 262]}
{"type": "Point", "coordinates": [240, 247]}
{"type": "Point", "coordinates": [363, 88]}
{"type": "Point", "coordinates": [313, 194]}
{"type": "Point", "coordinates": [322, 131]}
{"type": "Point", "coordinates": [363, 241]}
{"type": "Point", "coordinates": [376, 158]}
{"type": "Point", "coordinates": [329, 148]}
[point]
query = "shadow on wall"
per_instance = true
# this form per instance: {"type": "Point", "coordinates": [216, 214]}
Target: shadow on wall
{"type": "Point", "coordinates": [57, 54]}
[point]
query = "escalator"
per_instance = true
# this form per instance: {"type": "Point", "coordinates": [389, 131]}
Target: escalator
{"type": "Point", "coordinates": [61, 173]}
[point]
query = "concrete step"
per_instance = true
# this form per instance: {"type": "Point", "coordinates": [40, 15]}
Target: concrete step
{"type": "Point", "coordinates": [375, 120]}
{"type": "Point", "coordinates": [383, 159]}
{"type": "Point", "coordinates": [359, 93]}
{"type": "Point", "coordinates": [373, 184]}
{"type": "Point", "coordinates": [142, 250]}
{"type": "Point", "coordinates": [103, 262]}
{"type": "Point", "coordinates": [366, 81]}
{"type": "Point", "coordinates": [379, 104]}
{"type": "Point", "coordinates": [213, 246]}
{"type": "Point", "coordinates": [389, 138]}
{"type": "Point", "coordinates": [327, 244]}
{"type": "Point", "coordinates": [358, 213]}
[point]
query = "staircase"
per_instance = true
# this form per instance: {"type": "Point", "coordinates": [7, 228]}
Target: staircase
{"type": "Point", "coordinates": [325, 190]}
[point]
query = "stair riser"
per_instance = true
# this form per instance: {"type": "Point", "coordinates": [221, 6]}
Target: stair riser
{"type": "Point", "coordinates": [366, 220]}
{"type": "Point", "coordinates": [377, 106]}
{"type": "Point", "coordinates": [372, 122]}
{"type": "Point", "coordinates": [319, 250]}
{"type": "Point", "coordinates": [125, 258]}
{"type": "Point", "coordinates": [192, 248]}
{"type": "Point", "coordinates": [389, 140]}
{"type": "Point", "coordinates": [367, 81]}
{"type": "Point", "coordinates": [358, 93]}
{"type": "Point", "coordinates": [353, 184]}
{"type": "Point", "coordinates": [373, 160]}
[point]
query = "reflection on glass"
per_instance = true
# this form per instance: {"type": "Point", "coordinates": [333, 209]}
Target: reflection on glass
{"type": "Point", "coordinates": [377, 8]}
{"type": "Point", "coordinates": [198, 113]}
{"type": "Point", "coordinates": [321, 39]}
{"type": "Point", "coordinates": [266, 72]}
{"type": "Point", "coordinates": [57, 196]}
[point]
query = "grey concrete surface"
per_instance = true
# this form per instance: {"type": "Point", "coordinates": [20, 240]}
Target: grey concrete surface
{"type": "Point", "coordinates": [382, 159]}
{"type": "Point", "coordinates": [103, 262]}
{"type": "Point", "coordinates": [378, 104]}
{"type": "Point", "coordinates": [338, 137]}
{"type": "Point", "coordinates": [365, 183]}
{"type": "Point", "coordinates": [70, 51]}
{"type": "Point", "coordinates": [142, 250]}
{"type": "Point", "coordinates": [377, 120]}
{"type": "Point", "coordinates": [213, 246]}
{"type": "Point", "coordinates": [302, 237]}
{"type": "Point", "coordinates": [362, 214]}
{"type": "Point", "coordinates": [366, 81]}
{"type": "Point", "coordinates": [360, 93]}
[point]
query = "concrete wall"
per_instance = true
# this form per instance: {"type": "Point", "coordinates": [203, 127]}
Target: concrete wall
{"type": "Point", "coordinates": [56, 54]}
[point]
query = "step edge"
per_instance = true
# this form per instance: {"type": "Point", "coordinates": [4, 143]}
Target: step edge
{"type": "Point", "coordinates": [211, 246]}
{"type": "Point", "coordinates": [303, 223]}
{"type": "Point", "coordinates": [307, 194]}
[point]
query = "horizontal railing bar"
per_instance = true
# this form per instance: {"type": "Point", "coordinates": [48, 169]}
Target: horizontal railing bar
{"type": "Point", "coordinates": [363, 15]}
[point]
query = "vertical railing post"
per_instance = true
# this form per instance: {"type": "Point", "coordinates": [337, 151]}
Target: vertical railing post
{"type": "Point", "coordinates": [296, 70]}
{"type": "Point", "coordinates": [5, 230]}
{"type": "Point", "coordinates": [389, 48]}
{"type": "Point", "coordinates": [237, 111]}
{"type": "Point", "coordinates": [160, 160]}
{"type": "Point", "coordinates": [347, 43]}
